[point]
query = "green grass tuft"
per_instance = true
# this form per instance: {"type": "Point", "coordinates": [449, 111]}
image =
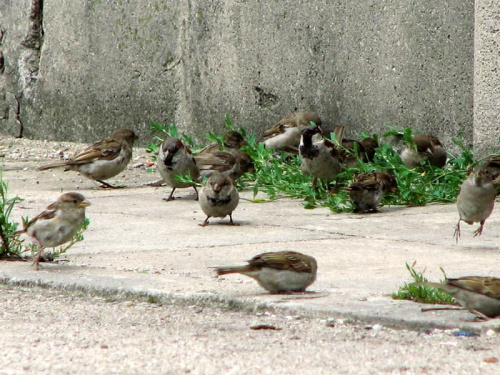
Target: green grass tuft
{"type": "Point", "coordinates": [422, 294]}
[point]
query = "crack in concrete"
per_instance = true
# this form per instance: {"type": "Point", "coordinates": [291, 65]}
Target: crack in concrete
{"type": "Point", "coordinates": [34, 37]}
{"type": "Point", "coordinates": [17, 116]}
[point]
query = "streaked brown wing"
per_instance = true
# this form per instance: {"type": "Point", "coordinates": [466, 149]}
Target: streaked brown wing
{"type": "Point", "coordinates": [489, 286]}
{"type": "Point", "coordinates": [44, 215]}
{"type": "Point", "coordinates": [108, 149]}
{"type": "Point", "coordinates": [274, 130]}
{"type": "Point", "coordinates": [283, 260]}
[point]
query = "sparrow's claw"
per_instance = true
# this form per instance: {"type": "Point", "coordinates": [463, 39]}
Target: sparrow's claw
{"type": "Point", "coordinates": [105, 185]}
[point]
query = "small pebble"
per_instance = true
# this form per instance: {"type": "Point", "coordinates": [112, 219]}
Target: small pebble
{"type": "Point", "coordinates": [490, 332]}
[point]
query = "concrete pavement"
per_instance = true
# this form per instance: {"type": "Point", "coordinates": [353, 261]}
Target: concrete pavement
{"type": "Point", "coordinates": [139, 245]}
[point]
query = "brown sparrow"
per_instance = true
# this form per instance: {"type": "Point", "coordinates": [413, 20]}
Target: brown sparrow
{"type": "Point", "coordinates": [58, 223]}
{"type": "Point", "coordinates": [367, 189]}
{"type": "Point", "coordinates": [493, 165]}
{"type": "Point", "coordinates": [428, 148]}
{"type": "Point", "coordinates": [285, 135]}
{"type": "Point", "coordinates": [219, 197]}
{"type": "Point", "coordinates": [102, 160]}
{"type": "Point", "coordinates": [227, 157]}
{"type": "Point", "coordinates": [476, 200]}
{"type": "Point", "coordinates": [365, 148]}
{"type": "Point", "coordinates": [480, 295]}
{"type": "Point", "coordinates": [174, 158]}
{"type": "Point", "coordinates": [319, 159]}
{"type": "Point", "coordinates": [278, 272]}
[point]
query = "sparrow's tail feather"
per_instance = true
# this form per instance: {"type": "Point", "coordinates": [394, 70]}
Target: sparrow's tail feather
{"type": "Point", "coordinates": [339, 132]}
{"type": "Point", "coordinates": [434, 285]}
{"type": "Point", "coordinates": [226, 270]}
{"type": "Point", "coordinates": [17, 233]}
{"type": "Point", "coordinates": [59, 164]}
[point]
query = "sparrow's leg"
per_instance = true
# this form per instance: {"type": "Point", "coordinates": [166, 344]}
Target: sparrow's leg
{"type": "Point", "coordinates": [315, 183]}
{"type": "Point", "coordinates": [480, 229]}
{"type": "Point", "coordinates": [170, 197]}
{"type": "Point", "coordinates": [105, 185]}
{"type": "Point", "coordinates": [205, 223]}
{"type": "Point", "coordinates": [480, 316]}
{"type": "Point", "coordinates": [456, 235]}
{"type": "Point", "coordinates": [231, 222]}
{"type": "Point", "coordinates": [196, 191]}
{"type": "Point", "coordinates": [38, 254]}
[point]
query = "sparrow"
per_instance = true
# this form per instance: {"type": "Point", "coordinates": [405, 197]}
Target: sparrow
{"type": "Point", "coordinates": [476, 200]}
{"type": "Point", "coordinates": [175, 158]}
{"type": "Point", "coordinates": [57, 224]}
{"type": "Point", "coordinates": [320, 159]}
{"type": "Point", "coordinates": [367, 189]}
{"type": "Point", "coordinates": [278, 272]}
{"type": "Point", "coordinates": [219, 197]}
{"type": "Point", "coordinates": [102, 160]}
{"type": "Point", "coordinates": [365, 149]}
{"type": "Point", "coordinates": [285, 135]}
{"type": "Point", "coordinates": [480, 295]}
{"type": "Point", "coordinates": [493, 166]}
{"type": "Point", "coordinates": [227, 157]}
{"type": "Point", "coordinates": [369, 146]}
{"type": "Point", "coordinates": [428, 148]}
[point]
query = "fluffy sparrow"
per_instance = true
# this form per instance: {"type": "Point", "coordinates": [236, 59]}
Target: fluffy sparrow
{"type": "Point", "coordinates": [278, 272]}
{"type": "Point", "coordinates": [367, 189]}
{"type": "Point", "coordinates": [219, 197]}
{"type": "Point", "coordinates": [319, 159]}
{"type": "Point", "coordinates": [476, 200]}
{"type": "Point", "coordinates": [285, 135]}
{"type": "Point", "coordinates": [174, 158]}
{"type": "Point", "coordinates": [227, 157]}
{"type": "Point", "coordinates": [58, 223]}
{"type": "Point", "coordinates": [102, 160]}
{"type": "Point", "coordinates": [480, 295]}
{"type": "Point", "coordinates": [428, 148]}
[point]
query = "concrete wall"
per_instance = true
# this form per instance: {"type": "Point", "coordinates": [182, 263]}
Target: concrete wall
{"type": "Point", "coordinates": [487, 78]}
{"type": "Point", "coordinates": [105, 64]}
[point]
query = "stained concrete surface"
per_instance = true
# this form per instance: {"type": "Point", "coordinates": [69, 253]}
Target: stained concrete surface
{"type": "Point", "coordinates": [139, 244]}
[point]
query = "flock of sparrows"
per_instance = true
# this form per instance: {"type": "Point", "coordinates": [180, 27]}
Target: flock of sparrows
{"type": "Point", "coordinates": [301, 132]}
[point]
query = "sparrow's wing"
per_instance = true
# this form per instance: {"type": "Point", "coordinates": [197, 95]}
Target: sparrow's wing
{"type": "Point", "coordinates": [210, 149]}
{"type": "Point", "coordinates": [366, 181]}
{"type": "Point", "coordinates": [285, 260]}
{"type": "Point", "coordinates": [274, 131]}
{"type": "Point", "coordinates": [217, 160]}
{"type": "Point", "coordinates": [107, 149]}
{"type": "Point", "coordinates": [47, 214]}
{"type": "Point", "coordinates": [489, 286]}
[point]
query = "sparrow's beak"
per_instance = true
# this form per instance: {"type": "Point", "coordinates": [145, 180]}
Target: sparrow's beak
{"type": "Point", "coordinates": [217, 188]}
{"type": "Point", "coordinates": [84, 204]}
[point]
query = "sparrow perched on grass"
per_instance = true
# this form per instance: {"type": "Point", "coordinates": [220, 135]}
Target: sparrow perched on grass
{"type": "Point", "coordinates": [278, 272]}
{"type": "Point", "coordinates": [476, 200]}
{"type": "Point", "coordinates": [57, 224]}
{"type": "Point", "coordinates": [319, 159]}
{"type": "Point", "coordinates": [367, 189]}
{"type": "Point", "coordinates": [219, 197]}
{"type": "Point", "coordinates": [227, 157]}
{"type": "Point", "coordinates": [428, 148]}
{"type": "Point", "coordinates": [102, 160]}
{"type": "Point", "coordinates": [480, 295]}
{"type": "Point", "coordinates": [285, 135]}
{"type": "Point", "coordinates": [175, 158]}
